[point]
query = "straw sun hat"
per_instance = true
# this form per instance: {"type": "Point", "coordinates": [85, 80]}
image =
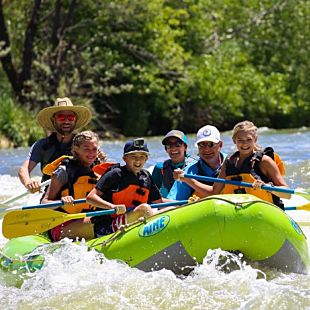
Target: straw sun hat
{"type": "Point", "coordinates": [45, 116]}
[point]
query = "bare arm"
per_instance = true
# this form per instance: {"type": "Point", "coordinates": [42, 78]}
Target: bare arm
{"type": "Point", "coordinates": [24, 176]}
{"type": "Point", "coordinates": [94, 198]}
{"type": "Point", "coordinates": [53, 190]}
{"type": "Point", "coordinates": [271, 170]}
{"type": "Point", "coordinates": [162, 199]}
{"type": "Point", "coordinates": [202, 189]}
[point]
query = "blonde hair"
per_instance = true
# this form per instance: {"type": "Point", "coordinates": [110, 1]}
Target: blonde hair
{"type": "Point", "coordinates": [83, 136]}
{"type": "Point", "coordinates": [248, 127]}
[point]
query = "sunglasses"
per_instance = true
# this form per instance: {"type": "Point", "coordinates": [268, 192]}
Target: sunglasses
{"type": "Point", "coordinates": [176, 144]}
{"type": "Point", "coordinates": [63, 117]}
{"type": "Point", "coordinates": [207, 144]}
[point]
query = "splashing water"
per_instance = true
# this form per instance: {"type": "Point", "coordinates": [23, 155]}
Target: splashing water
{"type": "Point", "coordinates": [74, 277]}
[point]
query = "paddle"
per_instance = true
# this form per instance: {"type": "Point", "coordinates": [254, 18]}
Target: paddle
{"type": "Point", "coordinates": [57, 203]}
{"type": "Point", "coordinates": [305, 207]}
{"type": "Point", "coordinates": [245, 184]}
{"type": "Point", "coordinates": [77, 201]}
{"type": "Point", "coordinates": [27, 222]}
{"type": "Point", "coordinates": [5, 203]}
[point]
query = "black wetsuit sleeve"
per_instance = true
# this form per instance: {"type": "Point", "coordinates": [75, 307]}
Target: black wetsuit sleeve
{"type": "Point", "coordinates": [109, 181]}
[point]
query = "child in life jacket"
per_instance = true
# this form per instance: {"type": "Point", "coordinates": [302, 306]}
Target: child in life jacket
{"type": "Point", "coordinates": [128, 186]}
{"type": "Point", "coordinates": [73, 178]}
{"type": "Point", "coordinates": [249, 164]}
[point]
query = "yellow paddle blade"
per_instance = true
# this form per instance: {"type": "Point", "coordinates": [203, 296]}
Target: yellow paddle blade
{"type": "Point", "coordinates": [28, 222]}
{"type": "Point", "coordinates": [304, 207]}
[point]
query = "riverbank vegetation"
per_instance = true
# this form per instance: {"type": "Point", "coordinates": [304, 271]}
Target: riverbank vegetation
{"type": "Point", "coordinates": [146, 66]}
{"type": "Point", "coordinates": [17, 125]}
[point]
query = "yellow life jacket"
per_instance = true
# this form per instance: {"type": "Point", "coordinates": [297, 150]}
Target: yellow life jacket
{"type": "Point", "coordinates": [249, 172]}
{"type": "Point", "coordinates": [249, 178]}
{"type": "Point", "coordinates": [79, 190]}
{"type": "Point", "coordinates": [81, 181]}
{"type": "Point", "coordinates": [279, 163]}
{"type": "Point", "coordinates": [51, 167]}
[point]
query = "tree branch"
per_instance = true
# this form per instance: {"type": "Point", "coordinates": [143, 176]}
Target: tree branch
{"type": "Point", "coordinates": [56, 24]}
{"type": "Point", "coordinates": [28, 44]}
{"type": "Point", "coordinates": [6, 58]}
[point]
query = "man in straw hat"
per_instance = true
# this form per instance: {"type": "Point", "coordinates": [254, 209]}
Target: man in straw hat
{"type": "Point", "coordinates": [61, 120]}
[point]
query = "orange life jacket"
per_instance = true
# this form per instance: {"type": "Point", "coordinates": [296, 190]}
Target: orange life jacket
{"type": "Point", "coordinates": [133, 195]}
{"type": "Point", "coordinates": [102, 168]}
{"type": "Point", "coordinates": [128, 189]}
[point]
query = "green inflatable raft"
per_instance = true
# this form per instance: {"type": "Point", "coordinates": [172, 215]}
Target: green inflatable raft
{"type": "Point", "coordinates": [179, 239]}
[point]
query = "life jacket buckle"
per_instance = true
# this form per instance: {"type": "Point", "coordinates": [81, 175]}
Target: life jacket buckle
{"type": "Point", "coordinates": [240, 191]}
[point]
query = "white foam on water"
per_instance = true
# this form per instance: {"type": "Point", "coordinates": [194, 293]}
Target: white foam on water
{"type": "Point", "coordinates": [76, 278]}
{"type": "Point", "coordinates": [73, 277]}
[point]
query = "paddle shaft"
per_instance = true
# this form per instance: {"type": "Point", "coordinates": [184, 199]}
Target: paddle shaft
{"type": "Point", "coordinates": [305, 207]}
{"type": "Point", "coordinates": [12, 199]}
{"type": "Point", "coordinates": [245, 184]}
{"type": "Point", "coordinates": [152, 205]}
{"type": "Point", "coordinates": [77, 201]}
{"type": "Point", "coordinates": [57, 203]}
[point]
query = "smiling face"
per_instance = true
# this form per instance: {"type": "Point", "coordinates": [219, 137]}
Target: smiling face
{"type": "Point", "coordinates": [87, 152]}
{"type": "Point", "coordinates": [135, 161]}
{"type": "Point", "coordinates": [176, 150]}
{"type": "Point", "coordinates": [85, 147]}
{"type": "Point", "coordinates": [209, 151]}
{"type": "Point", "coordinates": [245, 142]}
{"type": "Point", "coordinates": [245, 135]}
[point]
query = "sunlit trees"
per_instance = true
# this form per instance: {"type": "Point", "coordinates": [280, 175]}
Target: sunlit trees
{"type": "Point", "coordinates": [148, 65]}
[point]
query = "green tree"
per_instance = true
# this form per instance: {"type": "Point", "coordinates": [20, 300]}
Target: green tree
{"type": "Point", "coordinates": [148, 65]}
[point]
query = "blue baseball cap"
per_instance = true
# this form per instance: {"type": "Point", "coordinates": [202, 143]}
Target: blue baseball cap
{"type": "Point", "coordinates": [136, 146]}
{"type": "Point", "coordinates": [176, 134]}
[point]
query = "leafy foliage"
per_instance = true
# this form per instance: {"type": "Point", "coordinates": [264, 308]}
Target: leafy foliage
{"type": "Point", "coordinates": [148, 65]}
{"type": "Point", "coordinates": [17, 124]}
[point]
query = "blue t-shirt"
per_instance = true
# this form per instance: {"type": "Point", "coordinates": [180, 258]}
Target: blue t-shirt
{"type": "Point", "coordinates": [157, 174]}
{"type": "Point", "coordinates": [181, 190]}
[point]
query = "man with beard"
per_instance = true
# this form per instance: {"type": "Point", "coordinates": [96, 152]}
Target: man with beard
{"type": "Point", "coordinates": [61, 120]}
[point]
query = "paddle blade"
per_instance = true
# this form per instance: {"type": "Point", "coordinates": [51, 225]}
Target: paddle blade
{"type": "Point", "coordinates": [305, 207]}
{"type": "Point", "coordinates": [28, 222]}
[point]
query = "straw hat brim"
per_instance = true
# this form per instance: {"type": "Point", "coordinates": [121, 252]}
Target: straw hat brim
{"type": "Point", "coordinates": [83, 114]}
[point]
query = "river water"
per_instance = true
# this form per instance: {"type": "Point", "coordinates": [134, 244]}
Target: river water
{"type": "Point", "coordinates": [74, 278]}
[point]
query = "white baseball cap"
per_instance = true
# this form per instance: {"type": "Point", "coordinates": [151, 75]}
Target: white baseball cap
{"type": "Point", "coordinates": [208, 133]}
